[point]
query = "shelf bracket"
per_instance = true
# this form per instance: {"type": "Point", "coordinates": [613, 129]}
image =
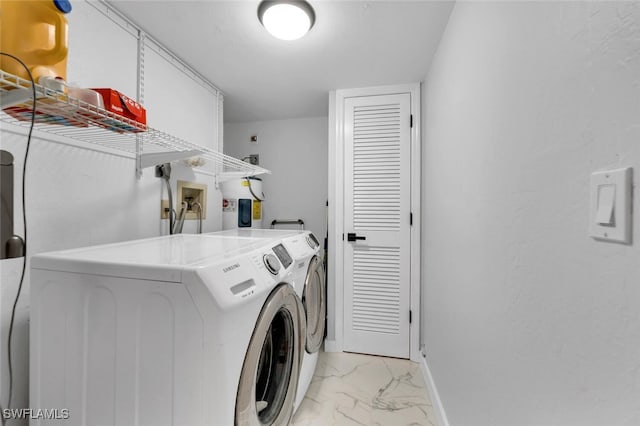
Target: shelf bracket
{"type": "Point", "coordinates": [15, 97]}
{"type": "Point", "coordinates": [139, 156]}
{"type": "Point", "coordinates": [153, 159]}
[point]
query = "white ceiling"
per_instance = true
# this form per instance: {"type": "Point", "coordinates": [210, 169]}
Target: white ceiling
{"type": "Point", "coordinates": [352, 44]}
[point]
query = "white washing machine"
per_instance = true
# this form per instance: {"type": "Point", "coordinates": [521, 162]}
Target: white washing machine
{"type": "Point", "coordinates": [308, 277]}
{"type": "Point", "coordinates": [269, 234]}
{"type": "Point", "coordinates": [176, 330]}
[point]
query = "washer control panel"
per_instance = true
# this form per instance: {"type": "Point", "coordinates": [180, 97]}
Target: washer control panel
{"type": "Point", "coordinates": [283, 255]}
{"type": "Point", "coordinates": [272, 264]}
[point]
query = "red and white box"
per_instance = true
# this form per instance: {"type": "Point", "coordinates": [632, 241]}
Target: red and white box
{"type": "Point", "coordinates": [124, 106]}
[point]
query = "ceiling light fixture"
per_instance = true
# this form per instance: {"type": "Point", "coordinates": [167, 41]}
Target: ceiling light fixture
{"type": "Point", "coordinates": [286, 20]}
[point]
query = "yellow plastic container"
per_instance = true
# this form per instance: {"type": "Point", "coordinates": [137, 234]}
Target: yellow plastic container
{"type": "Point", "coordinates": [36, 32]}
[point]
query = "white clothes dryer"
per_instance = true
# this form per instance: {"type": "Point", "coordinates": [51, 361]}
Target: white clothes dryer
{"type": "Point", "coordinates": [308, 276]}
{"type": "Point", "coordinates": [181, 329]}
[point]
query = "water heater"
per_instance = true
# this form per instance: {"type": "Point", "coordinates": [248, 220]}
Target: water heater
{"type": "Point", "coordinates": [242, 203]}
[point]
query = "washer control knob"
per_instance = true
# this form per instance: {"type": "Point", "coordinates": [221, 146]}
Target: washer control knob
{"type": "Point", "coordinates": [272, 264]}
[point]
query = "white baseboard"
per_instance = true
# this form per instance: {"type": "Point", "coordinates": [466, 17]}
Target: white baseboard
{"type": "Point", "coordinates": [441, 416]}
{"type": "Point", "coordinates": [331, 346]}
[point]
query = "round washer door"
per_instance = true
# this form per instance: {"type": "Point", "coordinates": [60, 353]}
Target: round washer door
{"type": "Point", "coordinates": [314, 301]}
{"type": "Point", "coordinates": [269, 377]}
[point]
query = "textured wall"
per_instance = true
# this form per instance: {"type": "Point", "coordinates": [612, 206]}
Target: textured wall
{"type": "Point", "coordinates": [528, 320]}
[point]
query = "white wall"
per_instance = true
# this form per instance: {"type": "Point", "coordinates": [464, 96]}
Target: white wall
{"type": "Point", "coordinates": [296, 153]}
{"type": "Point", "coordinates": [528, 320]}
{"type": "Point", "coordinates": [78, 196]}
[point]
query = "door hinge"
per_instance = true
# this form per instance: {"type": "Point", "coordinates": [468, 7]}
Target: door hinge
{"type": "Point", "coordinates": [411, 120]}
{"type": "Point", "coordinates": [342, 237]}
{"type": "Point", "coordinates": [411, 219]}
{"type": "Point", "coordinates": [410, 316]}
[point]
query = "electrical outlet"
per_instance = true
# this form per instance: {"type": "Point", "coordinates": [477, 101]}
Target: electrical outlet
{"type": "Point", "coordinates": [164, 209]}
{"type": "Point", "coordinates": [254, 159]}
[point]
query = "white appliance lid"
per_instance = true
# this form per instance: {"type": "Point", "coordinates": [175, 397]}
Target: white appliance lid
{"type": "Point", "coordinates": [159, 259]}
{"type": "Point", "coordinates": [257, 233]}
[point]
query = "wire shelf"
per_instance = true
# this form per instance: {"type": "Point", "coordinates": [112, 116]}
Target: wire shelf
{"type": "Point", "coordinates": [62, 115]}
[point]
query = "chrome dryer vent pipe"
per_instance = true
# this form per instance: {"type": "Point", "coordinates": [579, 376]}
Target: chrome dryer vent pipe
{"type": "Point", "coordinates": [163, 171]}
{"type": "Point", "coordinates": [199, 206]}
{"type": "Point", "coordinates": [177, 229]}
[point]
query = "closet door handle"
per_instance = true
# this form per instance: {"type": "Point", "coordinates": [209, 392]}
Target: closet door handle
{"type": "Point", "coordinates": [351, 236]}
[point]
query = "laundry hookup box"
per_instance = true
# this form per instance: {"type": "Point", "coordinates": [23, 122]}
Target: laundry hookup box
{"type": "Point", "coordinates": [126, 107]}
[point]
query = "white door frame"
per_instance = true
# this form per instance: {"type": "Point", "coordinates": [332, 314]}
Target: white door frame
{"type": "Point", "coordinates": [335, 297]}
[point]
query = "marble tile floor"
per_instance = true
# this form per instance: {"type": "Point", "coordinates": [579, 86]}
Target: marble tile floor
{"type": "Point", "coordinates": [353, 389]}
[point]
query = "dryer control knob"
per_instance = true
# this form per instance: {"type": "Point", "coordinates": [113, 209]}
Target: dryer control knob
{"type": "Point", "coordinates": [272, 264]}
{"type": "Point", "coordinates": [311, 240]}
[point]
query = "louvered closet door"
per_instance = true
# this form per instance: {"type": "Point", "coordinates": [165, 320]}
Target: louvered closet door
{"type": "Point", "coordinates": [377, 207]}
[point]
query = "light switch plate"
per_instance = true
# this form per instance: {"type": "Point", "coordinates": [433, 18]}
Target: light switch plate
{"type": "Point", "coordinates": [604, 225]}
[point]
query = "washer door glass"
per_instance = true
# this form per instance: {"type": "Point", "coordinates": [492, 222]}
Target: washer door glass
{"type": "Point", "coordinates": [270, 371]}
{"type": "Point", "coordinates": [313, 299]}
{"type": "Point", "coordinates": [274, 367]}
